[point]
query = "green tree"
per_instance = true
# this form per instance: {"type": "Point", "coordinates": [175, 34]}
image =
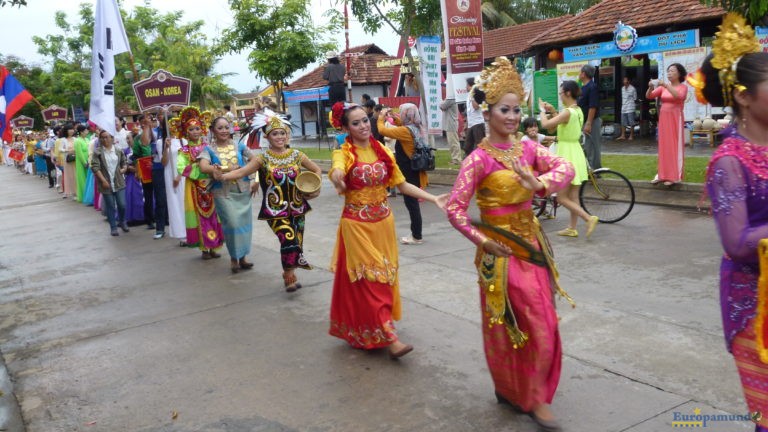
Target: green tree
{"type": "Point", "coordinates": [157, 41]}
{"type": "Point", "coordinates": [13, 3]}
{"type": "Point", "coordinates": [281, 36]}
{"type": "Point", "coordinates": [755, 11]}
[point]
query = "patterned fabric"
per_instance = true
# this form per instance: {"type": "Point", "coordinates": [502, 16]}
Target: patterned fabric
{"type": "Point", "coordinates": [280, 196]}
{"type": "Point", "coordinates": [366, 297]}
{"type": "Point", "coordinates": [203, 225]}
{"type": "Point", "coordinates": [290, 233]}
{"type": "Point", "coordinates": [753, 373]}
{"type": "Point", "coordinates": [737, 183]}
{"type": "Point", "coordinates": [526, 370]}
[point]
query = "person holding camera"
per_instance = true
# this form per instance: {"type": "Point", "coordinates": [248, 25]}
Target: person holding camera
{"type": "Point", "coordinates": [671, 123]}
{"type": "Point", "coordinates": [407, 130]}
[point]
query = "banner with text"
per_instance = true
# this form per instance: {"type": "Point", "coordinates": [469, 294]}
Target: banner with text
{"type": "Point", "coordinates": [54, 113]}
{"type": "Point", "coordinates": [645, 45]}
{"type": "Point", "coordinates": [429, 52]}
{"type": "Point", "coordinates": [162, 90]}
{"type": "Point", "coordinates": [21, 122]}
{"type": "Point", "coordinates": [463, 29]}
{"type": "Point", "coordinates": [568, 72]}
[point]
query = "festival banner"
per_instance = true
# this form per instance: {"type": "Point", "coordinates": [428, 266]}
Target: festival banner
{"type": "Point", "coordinates": [429, 52]}
{"type": "Point", "coordinates": [21, 122]}
{"type": "Point", "coordinates": [463, 29]}
{"type": "Point", "coordinates": [162, 90]}
{"type": "Point", "coordinates": [109, 39]}
{"type": "Point", "coordinates": [54, 113]}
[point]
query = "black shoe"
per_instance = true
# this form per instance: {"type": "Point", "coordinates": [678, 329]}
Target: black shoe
{"type": "Point", "coordinates": [114, 232]}
{"type": "Point", "coordinates": [124, 226]}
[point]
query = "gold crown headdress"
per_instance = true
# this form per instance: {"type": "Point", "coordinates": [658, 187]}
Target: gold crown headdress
{"type": "Point", "coordinates": [189, 116]}
{"type": "Point", "coordinates": [269, 121]}
{"type": "Point", "coordinates": [734, 39]}
{"type": "Point", "coordinates": [498, 79]}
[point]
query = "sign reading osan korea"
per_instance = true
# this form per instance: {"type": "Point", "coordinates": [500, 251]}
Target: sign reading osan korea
{"type": "Point", "coordinates": [23, 122]}
{"type": "Point", "coordinates": [53, 113]}
{"type": "Point", "coordinates": [644, 45]}
{"type": "Point", "coordinates": [162, 89]}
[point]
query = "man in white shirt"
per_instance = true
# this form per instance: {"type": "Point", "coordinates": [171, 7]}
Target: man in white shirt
{"type": "Point", "coordinates": [475, 131]}
{"type": "Point", "coordinates": [628, 97]}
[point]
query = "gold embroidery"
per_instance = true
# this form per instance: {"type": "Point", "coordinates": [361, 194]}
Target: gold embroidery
{"type": "Point", "coordinates": [381, 335]}
{"type": "Point", "coordinates": [505, 157]}
{"type": "Point", "coordinates": [385, 273]}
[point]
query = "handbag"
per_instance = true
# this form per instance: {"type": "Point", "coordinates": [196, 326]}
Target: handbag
{"type": "Point", "coordinates": [423, 158]}
{"type": "Point", "coordinates": [30, 158]}
{"type": "Point", "coordinates": [70, 158]}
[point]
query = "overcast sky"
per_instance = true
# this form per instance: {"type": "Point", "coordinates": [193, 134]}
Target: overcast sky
{"type": "Point", "coordinates": [20, 24]}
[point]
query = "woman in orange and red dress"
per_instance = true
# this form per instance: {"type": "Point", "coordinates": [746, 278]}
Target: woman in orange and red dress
{"type": "Point", "coordinates": [366, 292]}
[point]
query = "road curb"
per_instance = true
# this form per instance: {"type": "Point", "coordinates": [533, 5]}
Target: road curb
{"type": "Point", "coordinates": [682, 195]}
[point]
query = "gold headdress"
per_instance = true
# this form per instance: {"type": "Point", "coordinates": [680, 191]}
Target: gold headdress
{"type": "Point", "coordinates": [269, 121]}
{"type": "Point", "coordinates": [734, 39]}
{"type": "Point", "coordinates": [189, 116]}
{"type": "Point", "coordinates": [498, 79]}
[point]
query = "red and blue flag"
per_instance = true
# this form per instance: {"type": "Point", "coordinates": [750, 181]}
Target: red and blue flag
{"type": "Point", "coordinates": [13, 96]}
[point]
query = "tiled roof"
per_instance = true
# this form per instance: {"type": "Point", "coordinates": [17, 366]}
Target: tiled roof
{"type": "Point", "coordinates": [516, 39]}
{"type": "Point", "coordinates": [600, 19]}
{"type": "Point", "coordinates": [363, 67]}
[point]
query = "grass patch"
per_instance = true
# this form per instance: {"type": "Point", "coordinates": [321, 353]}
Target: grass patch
{"type": "Point", "coordinates": [634, 167]}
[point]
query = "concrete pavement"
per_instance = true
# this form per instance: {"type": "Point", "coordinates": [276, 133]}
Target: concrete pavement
{"type": "Point", "coordinates": [131, 334]}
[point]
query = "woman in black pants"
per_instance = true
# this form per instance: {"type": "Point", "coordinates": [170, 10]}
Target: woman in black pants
{"type": "Point", "coordinates": [408, 129]}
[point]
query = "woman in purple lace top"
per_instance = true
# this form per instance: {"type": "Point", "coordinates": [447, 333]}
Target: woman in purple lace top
{"type": "Point", "coordinates": [737, 182]}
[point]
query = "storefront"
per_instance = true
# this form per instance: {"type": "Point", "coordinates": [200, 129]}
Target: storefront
{"type": "Point", "coordinates": [634, 40]}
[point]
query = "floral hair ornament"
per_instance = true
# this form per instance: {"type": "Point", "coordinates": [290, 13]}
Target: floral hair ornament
{"type": "Point", "coordinates": [188, 117]}
{"type": "Point", "coordinates": [498, 79]}
{"type": "Point", "coordinates": [337, 111]}
{"type": "Point", "coordinates": [734, 39]}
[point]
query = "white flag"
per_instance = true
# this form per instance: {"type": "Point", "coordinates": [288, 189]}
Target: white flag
{"type": "Point", "coordinates": [109, 39]}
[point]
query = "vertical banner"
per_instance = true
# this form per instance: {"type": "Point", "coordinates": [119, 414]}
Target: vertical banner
{"type": "Point", "coordinates": [428, 48]}
{"type": "Point", "coordinates": [545, 88]}
{"type": "Point", "coordinates": [691, 59]}
{"type": "Point", "coordinates": [463, 29]}
{"type": "Point", "coordinates": [762, 37]}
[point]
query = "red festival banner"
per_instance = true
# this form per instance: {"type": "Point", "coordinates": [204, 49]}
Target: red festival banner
{"type": "Point", "coordinates": [54, 113]}
{"type": "Point", "coordinates": [162, 89]}
{"type": "Point", "coordinates": [463, 29]}
{"type": "Point", "coordinates": [21, 122]}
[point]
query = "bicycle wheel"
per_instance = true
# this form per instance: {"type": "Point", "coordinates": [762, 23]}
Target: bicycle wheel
{"type": "Point", "coordinates": [607, 195]}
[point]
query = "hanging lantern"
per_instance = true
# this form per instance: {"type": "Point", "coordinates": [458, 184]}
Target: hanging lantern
{"type": "Point", "coordinates": [555, 55]}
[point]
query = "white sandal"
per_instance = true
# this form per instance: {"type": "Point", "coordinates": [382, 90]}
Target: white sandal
{"type": "Point", "coordinates": [411, 241]}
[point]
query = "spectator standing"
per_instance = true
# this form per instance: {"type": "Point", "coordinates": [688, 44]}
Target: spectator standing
{"type": "Point", "coordinates": [628, 98]}
{"type": "Point", "coordinates": [410, 86]}
{"type": "Point", "coordinates": [109, 166]}
{"type": "Point", "coordinates": [671, 124]}
{"type": "Point", "coordinates": [589, 103]}
{"type": "Point", "coordinates": [451, 128]}
{"type": "Point", "coordinates": [475, 131]}
{"type": "Point", "coordinates": [122, 135]}
{"type": "Point", "coordinates": [335, 73]}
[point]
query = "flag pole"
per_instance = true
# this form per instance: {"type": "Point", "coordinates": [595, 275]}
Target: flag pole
{"type": "Point", "coordinates": [38, 102]}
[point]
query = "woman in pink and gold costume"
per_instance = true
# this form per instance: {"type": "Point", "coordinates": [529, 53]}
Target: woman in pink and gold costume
{"type": "Point", "coordinates": [522, 342]}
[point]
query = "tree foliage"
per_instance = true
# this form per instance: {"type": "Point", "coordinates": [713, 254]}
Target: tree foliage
{"type": "Point", "coordinates": [13, 3]}
{"type": "Point", "coordinates": [755, 11]}
{"type": "Point", "coordinates": [281, 36]}
{"type": "Point", "coordinates": [157, 41]}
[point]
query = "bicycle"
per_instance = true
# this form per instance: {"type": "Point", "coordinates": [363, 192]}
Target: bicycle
{"type": "Point", "coordinates": [606, 194]}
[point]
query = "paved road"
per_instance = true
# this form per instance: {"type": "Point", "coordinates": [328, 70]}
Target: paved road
{"type": "Point", "coordinates": [117, 334]}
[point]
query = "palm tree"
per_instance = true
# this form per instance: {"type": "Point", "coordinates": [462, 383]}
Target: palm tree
{"type": "Point", "coordinates": [504, 13]}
